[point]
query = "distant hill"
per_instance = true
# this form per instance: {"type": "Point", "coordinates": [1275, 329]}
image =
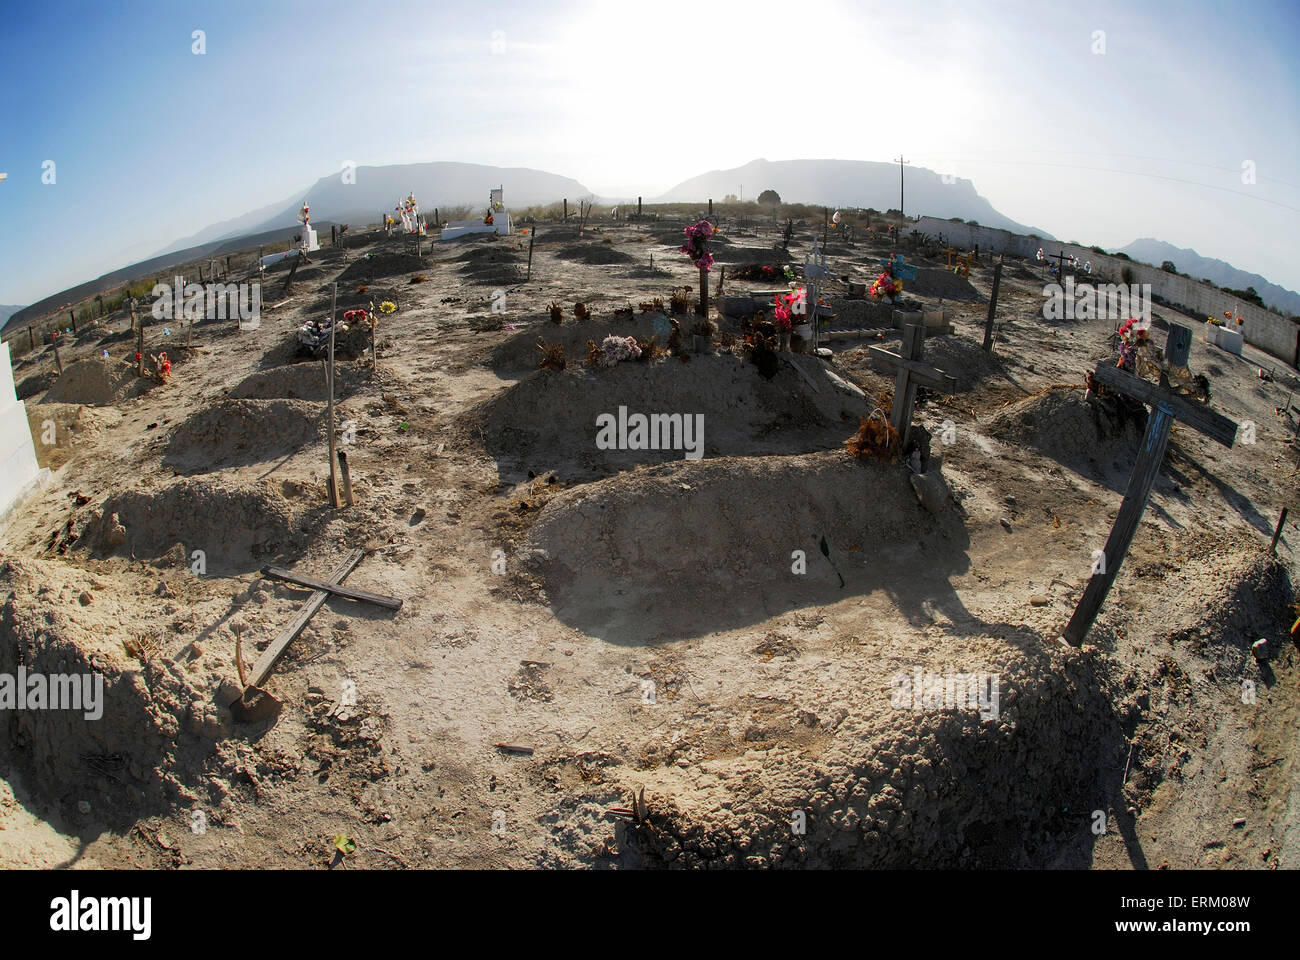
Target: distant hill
{"type": "Point", "coordinates": [378, 189]}
{"type": "Point", "coordinates": [6, 312]}
{"type": "Point", "coordinates": [272, 239]}
{"type": "Point", "coordinates": [1156, 252]}
{"type": "Point", "coordinates": [850, 183]}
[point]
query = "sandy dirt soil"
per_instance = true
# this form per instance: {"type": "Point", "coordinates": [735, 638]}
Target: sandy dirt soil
{"type": "Point", "coordinates": [634, 618]}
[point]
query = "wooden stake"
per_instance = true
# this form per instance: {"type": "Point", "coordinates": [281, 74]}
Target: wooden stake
{"type": "Point", "coordinates": [374, 359]}
{"type": "Point", "coordinates": [993, 307]}
{"type": "Point", "coordinates": [532, 235]}
{"type": "Point", "coordinates": [347, 479]}
{"type": "Point", "coordinates": [329, 386]}
{"type": "Point", "coordinates": [566, 209]}
{"type": "Point", "coordinates": [139, 348]}
{"type": "Point", "coordinates": [704, 294]}
{"type": "Point", "coordinates": [58, 362]}
{"type": "Point", "coordinates": [1277, 532]}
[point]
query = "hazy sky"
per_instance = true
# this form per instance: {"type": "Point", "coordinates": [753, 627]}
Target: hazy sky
{"type": "Point", "coordinates": [152, 142]}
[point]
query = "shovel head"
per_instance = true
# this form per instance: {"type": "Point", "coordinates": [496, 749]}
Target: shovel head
{"type": "Point", "coordinates": [255, 706]}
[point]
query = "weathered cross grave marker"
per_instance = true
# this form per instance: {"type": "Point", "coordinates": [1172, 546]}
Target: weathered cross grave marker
{"type": "Point", "coordinates": [911, 371]}
{"type": "Point", "coordinates": [256, 704]}
{"type": "Point", "coordinates": [1166, 406]}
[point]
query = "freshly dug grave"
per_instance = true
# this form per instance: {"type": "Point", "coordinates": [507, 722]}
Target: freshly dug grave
{"type": "Point", "coordinates": [97, 382]}
{"type": "Point", "coordinates": [238, 527]}
{"type": "Point", "coordinates": [712, 540]}
{"type": "Point", "coordinates": [596, 254]}
{"type": "Point", "coordinates": [491, 264]}
{"type": "Point", "coordinates": [932, 282]}
{"type": "Point", "coordinates": [299, 381]}
{"type": "Point", "coordinates": [381, 263]}
{"type": "Point", "coordinates": [548, 420]}
{"type": "Point", "coordinates": [60, 621]}
{"type": "Point", "coordinates": [165, 740]}
{"type": "Point", "coordinates": [238, 432]}
{"type": "Point", "coordinates": [1092, 437]}
{"type": "Point", "coordinates": [898, 787]}
{"type": "Point", "coordinates": [961, 358]}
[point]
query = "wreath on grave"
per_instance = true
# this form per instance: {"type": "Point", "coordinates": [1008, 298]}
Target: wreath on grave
{"type": "Point", "coordinates": [697, 244]}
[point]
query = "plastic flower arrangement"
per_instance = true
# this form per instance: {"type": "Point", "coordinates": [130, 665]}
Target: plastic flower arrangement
{"type": "Point", "coordinates": [886, 286]}
{"type": "Point", "coordinates": [697, 244]}
{"type": "Point", "coordinates": [387, 306]}
{"type": "Point", "coordinates": [1131, 340]}
{"type": "Point", "coordinates": [617, 349]}
{"type": "Point", "coordinates": [790, 305]}
{"type": "Point", "coordinates": [316, 335]}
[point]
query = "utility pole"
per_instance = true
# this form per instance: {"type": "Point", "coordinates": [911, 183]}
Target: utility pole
{"type": "Point", "coordinates": [900, 161]}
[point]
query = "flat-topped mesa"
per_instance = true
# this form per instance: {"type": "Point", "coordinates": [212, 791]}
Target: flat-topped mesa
{"type": "Point", "coordinates": [496, 220]}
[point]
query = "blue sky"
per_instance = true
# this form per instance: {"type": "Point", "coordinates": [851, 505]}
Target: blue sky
{"type": "Point", "coordinates": [152, 142]}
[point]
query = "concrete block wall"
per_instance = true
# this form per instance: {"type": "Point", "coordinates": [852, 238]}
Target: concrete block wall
{"type": "Point", "coordinates": [1275, 335]}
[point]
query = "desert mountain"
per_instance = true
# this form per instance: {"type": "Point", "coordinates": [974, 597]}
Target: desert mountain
{"type": "Point", "coordinates": [1221, 273]}
{"type": "Point", "coordinates": [850, 183]}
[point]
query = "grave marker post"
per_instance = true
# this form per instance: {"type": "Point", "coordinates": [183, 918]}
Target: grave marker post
{"type": "Point", "coordinates": [329, 387]}
{"type": "Point", "coordinates": [993, 307]}
{"type": "Point", "coordinates": [532, 235]}
{"type": "Point", "coordinates": [1166, 407]}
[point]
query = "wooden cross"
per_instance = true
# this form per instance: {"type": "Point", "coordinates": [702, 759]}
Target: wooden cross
{"type": "Point", "coordinates": [1166, 406]}
{"type": "Point", "coordinates": [911, 371]}
{"type": "Point", "coordinates": [322, 590]}
{"type": "Point", "coordinates": [1060, 263]}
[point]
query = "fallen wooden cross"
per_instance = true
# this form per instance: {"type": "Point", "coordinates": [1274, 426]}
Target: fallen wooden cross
{"type": "Point", "coordinates": [279, 573]}
{"type": "Point", "coordinates": [256, 704]}
{"type": "Point", "coordinates": [1166, 406]}
{"type": "Point", "coordinates": [911, 371]}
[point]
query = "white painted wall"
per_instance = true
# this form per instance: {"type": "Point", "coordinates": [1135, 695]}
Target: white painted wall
{"type": "Point", "coordinates": [1275, 335]}
{"type": "Point", "coordinates": [18, 469]}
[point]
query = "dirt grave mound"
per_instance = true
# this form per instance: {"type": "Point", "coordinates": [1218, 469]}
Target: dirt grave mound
{"type": "Point", "coordinates": [548, 421]}
{"type": "Point", "coordinates": [96, 382]}
{"type": "Point", "coordinates": [378, 264]}
{"type": "Point", "coordinates": [491, 264]}
{"type": "Point", "coordinates": [933, 282]}
{"type": "Point", "coordinates": [238, 432]}
{"type": "Point", "coordinates": [298, 381]}
{"type": "Point", "coordinates": [519, 353]}
{"type": "Point", "coordinates": [79, 632]}
{"type": "Point", "coordinates": [959, 357]}
{"type": "Point", "coordinates": [710, 539]}
{"type": "Point", "coordinates": [29, 387]}
{"type": "Point", "coordinates": [595, 254]}
{"type": "Point", "coordinates": [902, 783]}
{"type": "Point", "coordinates": [1089, 436]}
{"type": "Point", "coordinates": [238, 527]}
